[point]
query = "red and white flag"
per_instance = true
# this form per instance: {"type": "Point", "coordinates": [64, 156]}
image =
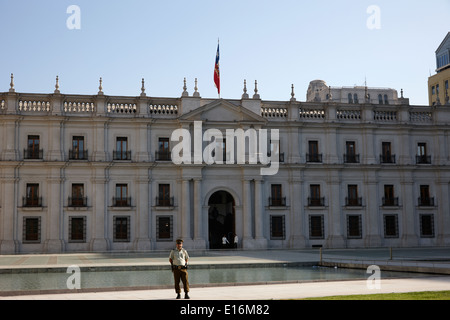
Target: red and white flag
{"type": "Point", "coordinates": [217, 71]}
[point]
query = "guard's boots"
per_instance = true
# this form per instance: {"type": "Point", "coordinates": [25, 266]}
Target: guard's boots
{"type": "Point", "coordinates": [178, 296]}
{"type": "Point", "coordinates": [186, 296]}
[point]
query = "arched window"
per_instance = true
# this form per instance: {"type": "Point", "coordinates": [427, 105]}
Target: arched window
{"type": "Point", "coordinates": [386, 99]}
{"type": "Point", "coordinates": [355, 98]}
{"type": "Point", "coordinates": [350, 98]}
{"type": "Point", "coordinates": [380, 99]}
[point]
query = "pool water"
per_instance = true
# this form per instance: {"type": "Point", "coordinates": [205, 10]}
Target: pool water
{"type": "Point", "coordinates": [148, 278]}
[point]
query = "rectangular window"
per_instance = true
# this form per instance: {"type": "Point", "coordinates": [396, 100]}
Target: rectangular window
{"type": "Point", "coordinates": [31, 229]}
{"type": "Point", "coordinates": [316, 227]}
{"type": "Point", "coordinates": [164, 199]}
{"type": "Point", "coordinates": [313, 152]}
{"type": "Point", "coordinates": [422, 156]}
{"type": "Point", "coordinates": [353, 199]}
{"type": "Point", "coordinates": [315, 199]}
{"type": "Point", "coordinates": [350, 152]}
{"type": "Point", "coordinates": [427, 225]}
{"type": "Point", "coordinates": [354, 227]}
{"type": "Point", "coordinates": [390, 226]}
{"type": "Point", "coordinates": [425, 199]}
{"type": "Point", "coordinates": [77, 199]}
{"type": "Point", "coordinates": [276, 198]}
{"type": "Point", "coordinates": [389, 199]}
{"type": "Point", "coordinates": [164, 225]}
{"type": "Point", "coordinates": [121, 229]}
{"type": "Point", "coordinates": [386, 153]}
{"type": "Point", "coordinates": [77, 152]}
{"type": "Point", "coordinates": [77, 229]}
{"type": "Point", "coordinates": [121, 199]}
{"type": "Point", "coordinates": [163, 152]}
{"type": "Point", "coordinates": [277, 228]}
{"type": "Point", "coordinates": [121, 152]}
{"type": "Point", "coordinates": [33, 150]}
{"type": "Point", "coordinates": [32, 198]}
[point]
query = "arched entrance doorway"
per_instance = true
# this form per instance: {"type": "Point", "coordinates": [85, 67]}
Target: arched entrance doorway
{"type": "Point", "coordinates": [221, 219]}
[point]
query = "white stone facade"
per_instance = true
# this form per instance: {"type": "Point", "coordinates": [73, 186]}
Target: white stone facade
{"type": "Point", "coordinates": [93, 173]}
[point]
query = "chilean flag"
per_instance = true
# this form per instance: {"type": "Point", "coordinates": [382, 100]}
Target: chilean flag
{"type": "Point", "coordinates": [217, 71]}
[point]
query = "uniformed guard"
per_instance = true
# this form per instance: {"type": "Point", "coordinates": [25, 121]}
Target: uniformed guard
{"type": "Point", "coordinates": [178, 259]}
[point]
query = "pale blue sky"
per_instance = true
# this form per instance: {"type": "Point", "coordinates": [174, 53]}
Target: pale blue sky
{"type": "Point", "coordinates": [278, 43]}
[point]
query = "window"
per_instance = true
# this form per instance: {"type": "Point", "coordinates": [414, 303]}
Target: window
{"type": "Point", "coordinates": [386, 101]}
{"type": "Point", "coordinates": [390, 226]}
{"type": "Point", "coordinates": [380, 99]}
{"type": "Point", "coordinates": [163, 152]}
{"type": "Point", "coordinates": [426, 225]}
{"type": "Point", "coordinates": [422, 157]}
{"type": "Point", "coordinates": [77, 229]}
{"type": "Point", "coordinates": [313, 149]}
{"type": "Point", "coordinates": [350, 98]}
{"type": "Point", "coordinates": [353, 199]}
{"type": "Point", "coordinates": [425, 200]}
{"type": "Point", "coordinates": [315, 199]}
{"type": "Point", "coordinates": [31, 229]}
{"type": "Point", "coordinates": [354, 227]}
{"type": "Point", "coordinates": [121, 199]}
{"type": "Point", "coordinates": [433, 91]}
{"type": "Point", "coordinates": [77, 199]}
{"type": "Point", "coordinates": [316, 227]}
{"type": "Point", "coordinates": [276, 199]}
{"type": "Point", "coordinates": [355, 98]}
{"type": "Point", "coordinates": [164, 225]}
{"type": "Point", "coordinates": [77, 152]}
{"type": "Point", "coordinates": [121, 152]}
{"type": "Point", "coordinates": [386, 153]}
{"type": "Point", "coordinates": [277, 228]}
{"type": "Point", "coordinates": [389, 199]}
{"type": "Point", "coordinates": [32, 198]}
{"type": "Point", "coordinates": [350, 155]}
{"type": "Point", "coordinates": [437, 89]}
{"type": "Point", "coordinates": [33, 151]}
{"type": "Point", "coordinates": [164, 199]}
{"type": "Point", "coordinates": [121, 229]}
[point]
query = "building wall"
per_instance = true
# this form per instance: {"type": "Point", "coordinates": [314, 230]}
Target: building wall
{"type": "Point", "coordinates": [442, 80]}
{"type": "Point", "coordinates": [258, 223]}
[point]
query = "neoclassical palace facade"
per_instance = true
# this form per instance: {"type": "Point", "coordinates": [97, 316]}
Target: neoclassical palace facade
{"type": "Point", "coordinates": [96, 173]}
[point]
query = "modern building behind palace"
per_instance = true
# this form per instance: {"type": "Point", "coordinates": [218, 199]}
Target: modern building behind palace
{"type": "Point", "coordinates": [358, 167]}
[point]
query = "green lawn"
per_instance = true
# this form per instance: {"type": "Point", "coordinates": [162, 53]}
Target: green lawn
{"type": "Point", "coordinates": [426, 295]}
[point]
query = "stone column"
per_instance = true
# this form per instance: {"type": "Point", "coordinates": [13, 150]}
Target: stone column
{"type": "Point", "coordinates": [199, 241]}
{"type": "Point", "coordinates": [100, 203]}
{"type": "Point", "coordinates": [247, 240]}
{"type": "Point", "coordinates": [409, 216]}
{"type": "Point", "coordinates": [260, 218]}
{"type": "Point", "coordinates": [442, 220]}
{"type": "Point", "coordinates": [336, 238]}
{"type": "Point", "coordinates": [53, 243]}
{"type": "Point", "coordinates": [8, 212]}
{"type": "Point", "coordinates": [184, 206]}
{"type": "Point", "coordinates": [142, 241]}
{"type": "Point", "coordinates": [372, 216]}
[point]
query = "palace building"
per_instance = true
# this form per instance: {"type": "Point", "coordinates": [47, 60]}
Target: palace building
{"type": "Point", "coordinates": [95, 173]}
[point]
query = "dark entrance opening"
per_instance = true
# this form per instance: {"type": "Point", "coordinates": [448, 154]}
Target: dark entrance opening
{"type": "Point", "coordinates": [221, 219]}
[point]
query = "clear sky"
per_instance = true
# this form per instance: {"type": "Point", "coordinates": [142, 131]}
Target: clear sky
{"type": "Point", "coordinates": [278, 43]}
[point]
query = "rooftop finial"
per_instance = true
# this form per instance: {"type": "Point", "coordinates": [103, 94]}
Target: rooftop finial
{"type": "Point", "coordinates": [196, 93]}
{"type": "Point", "coordinates": [11, 84]}
{"type": "Point", "coordinates": [185, 93]}
{"type": "Point", "coordinates": [100, 87]}
{"type": "Point", "coordinates": [256, 95]}
{"type": "Point", "coordinates": [143, 88]}
{"type": "Point", "coordinates": [293, 93]}
{"type": "Point", "coordinates": [245, 94]}
{"type": "Point", "coordinates": [57, 85]}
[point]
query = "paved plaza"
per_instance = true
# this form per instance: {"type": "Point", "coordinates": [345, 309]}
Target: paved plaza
{"type": "Point", "coordinates": [435, 261]}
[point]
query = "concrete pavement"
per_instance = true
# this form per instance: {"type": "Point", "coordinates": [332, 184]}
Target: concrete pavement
{"type": "Point", "coordinates": [433, 260]}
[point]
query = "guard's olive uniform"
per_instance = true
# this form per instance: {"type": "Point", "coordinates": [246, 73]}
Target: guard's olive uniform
{"type": "Point", "coordinates": [179, 267]}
